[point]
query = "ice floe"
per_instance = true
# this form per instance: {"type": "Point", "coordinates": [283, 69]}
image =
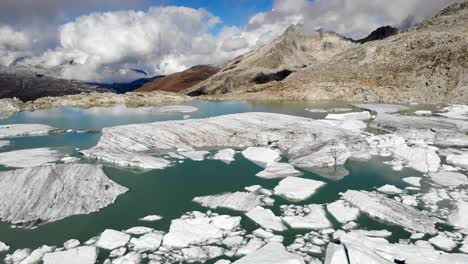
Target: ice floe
{"type": "Point", "coordinates": [382, 108]}
{"type": "Point", "coordinates": [196, 155]}
{"type": "Point", "coordinates": [390, 211]}
{"type": "Point", "coordinates": [37, 255]}
{"type": "Point", "coordinates": [390, 189]}
{"type": "Point", "coordinates": [261, 156]}
{"type": "Point", "coordinates": [309, 217]}
{"type": "Point", "coordinates": [139, 230]}
{"type": "Point", "coordinates": [238, 201]}
{"type": "Point", "coordinates": [22, 130]}
{"type": "Point", "coordinates": [79, 255]}
{"type": "Point", "coordinates": [4, 247]}
{"type": "Point", "coordinates": [188, 231]}
{"type": "Point", "coordinates": [278, 170]}
{"type": "Point", "coordinates": [308, 143]}
{"type": "Point", "coordinates": [458, 160]}
{"type": "Point", "coordinates": [443, 242]}
{"type": "Point", "coordinates": [297, 189]}
{"type": "Point", "coordinates": [459, 217]}
{"type": "Point", "coordinates": [448, 178]}
{"type": "Point", "coordinates": [415, 181]}
{"type": "Point", "coordinates": [365, 115]}
{"type": "Point", "coordinates": [151, 218]}
{"type": "Point", "coordinates": [111, 239]}
{"type": "Point", "coordinates": [50, 193]}
{"type": "Point", "coordinates": [342, 211]}
{"type": "Point", "coordinates": [455, 112]}
{"type": "Point", "coordinates": [272, 253]}
{"type": "Point", "coordinates": [266, 219]}
{"type": "Point", "coordinates": [355, 248]}
{"type": "Point", "coordinates": [149, 242]}
{"type": "Point", "coordinates": [29, 157]}
{"type": "Point", "coordinates": [225, 155]}
{"type": "Point", "coordinates": [4, 143]}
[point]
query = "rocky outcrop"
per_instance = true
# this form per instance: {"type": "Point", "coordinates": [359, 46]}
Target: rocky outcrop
{"type": "Point", "coordinates": [425, 64]}
{"type": "Point", "coordinates": [27, 84]}
{"type": "Point", "coordinates": [295, 49]}
{"type": "Point", "coordinates": [181, 80]}
{"type": "Point", "coordinates": [46, 194]}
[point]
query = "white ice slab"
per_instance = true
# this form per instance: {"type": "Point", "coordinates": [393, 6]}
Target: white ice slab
{"type": "Point", "coordinates": [297, 189]}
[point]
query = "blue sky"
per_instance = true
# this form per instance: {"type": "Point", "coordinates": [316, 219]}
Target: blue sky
{"type": "Point", "coordinates": [231, 12]}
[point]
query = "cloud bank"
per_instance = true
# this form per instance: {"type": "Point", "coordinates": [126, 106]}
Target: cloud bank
{"type": "Point", "coordinates": [106, 46]}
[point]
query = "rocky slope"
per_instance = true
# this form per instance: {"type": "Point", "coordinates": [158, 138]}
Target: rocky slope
{"type": "Point", "coordinates": [27, 83]}
{"type": "Point", "coordinates": [181, 80]}
{"type": "Point", "coordinates": [427, 63]}
{"type": "Point", "coordinates": [294, 50]}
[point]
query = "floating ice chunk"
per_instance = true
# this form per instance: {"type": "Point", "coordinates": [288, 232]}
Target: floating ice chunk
{"type": "Point", "coordinates": [151, 218]}
{"type": "Point", "coordinates": [238, 201]}
{"type": "Point", "coordinates": [272, 253]}
{"type": "Point", "coordinates": [118, 252]}
{"type": "Point", "coordinates": [50, 193]}
{"type": "Point", "coordinates": [29, 157]}
{"type": "Point", "coordinates": [139, 230]}
{"type": "Point", "coordinates": [365, 115]}
{"type": "Point", "coordinates": [382, 108]}
{"type": "Point", "coordinates": [253, 244]}
{"type": "Point", "coordinates": [196, 155]}
{"type": "Point", "coordinates": [185, 232]}
{"type": "Point", "coordinates": [423, 112]}
{"type": "Point", "coordinates": [459, 217]}
{"type": "Point", "coordinates": [149, 242]}
{"type": "Point", "coordinates": [72, 243]}
{"type": "Point", "coordinates": [443, 242]}
{"type": "Point", "coordinates": [389, 189]}
{"type": "Point", "coordinates": [4, 247]}
{"type": "Point", "coordinates": [313, 220]}
{"type": "Point", "coordinates": [173, 109]}
{"type": "Point", "coordinates": [261, 156]}
{"type": "Point", "coordinates": [37, 255]}
{"type": "Point", "coordinates": [342, 211]}
{"type": "Point", "coordinates": [130, 258]}
{"type": "Point", "coordinates": [79, 255]}
{"type": "Point", "coordinates": [67, 160]}
{"type": "Point", "coordinates": [278, 170]}
{"type": "Point", "coordinates": [456, 112]}
{"type": "Point", "coordinates": [373, 233]}
{"type": "Point", "coordinates": [225, 155]}
{"type": "Point", "coordinates": [22, 130]}
{"type": "Point", "coordinates": [4, 143]}
{"type": "Point", "coordinates": [448, 178]}
{"type": "Point", "coordinates": [201, 254]}
{"type": "Point", "coordinates": [266, 219]}
{"type": "Point", "coordinates": [390, 211]}
{"type": "Point", "coordinates": [111, 239]}
{"type": "Point", "coordinates": [351, 125]}
{"type": "Point", "coordinates": [297, 189]}
{"type": "Point", "coordinates": [17, 256]}
{"type": "Point", "coordinates": [458, 160]}
{"type": "Point", "coordinates": [362, 249]}
{"type": "Point", "coordinates": [415, 181]}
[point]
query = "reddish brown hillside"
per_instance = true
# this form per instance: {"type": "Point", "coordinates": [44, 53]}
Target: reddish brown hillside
{"type": "Point", "coordinates": [181, 80]}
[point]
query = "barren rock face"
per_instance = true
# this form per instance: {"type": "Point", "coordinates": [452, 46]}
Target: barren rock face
{"type": "Point", "coordinates": [49, 193]}
{"type": "Point", "coordinates": [181, 80]}
{"type": "Point", "coordinates": [426, 64]}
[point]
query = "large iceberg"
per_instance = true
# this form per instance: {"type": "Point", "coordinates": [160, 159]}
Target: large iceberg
{"type": "Point", "coordinates": [390, 211]}
{"type": "Point", "coordinates": [271, 253]}
{"type": "Point", "coordinates": [50, 193]}
{"type": "Point", "coordinates": [29, 157]}
{"type": "Point", "coordinates": [238, 201]}
{"type": "Point", "coordinates": [306, 142]}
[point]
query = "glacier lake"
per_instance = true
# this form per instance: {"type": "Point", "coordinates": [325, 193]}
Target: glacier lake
{"type": "Point", "coordinates": [169, 192]}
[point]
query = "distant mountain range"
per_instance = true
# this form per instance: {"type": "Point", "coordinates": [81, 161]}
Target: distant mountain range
{"type": "Point", "coordinates": [427, 64]}
{"type": "Point", "coordinates": [180, 81]}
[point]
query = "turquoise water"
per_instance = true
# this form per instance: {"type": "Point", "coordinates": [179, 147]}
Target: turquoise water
{"type": "Point", "coordinates": [169, 192]}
